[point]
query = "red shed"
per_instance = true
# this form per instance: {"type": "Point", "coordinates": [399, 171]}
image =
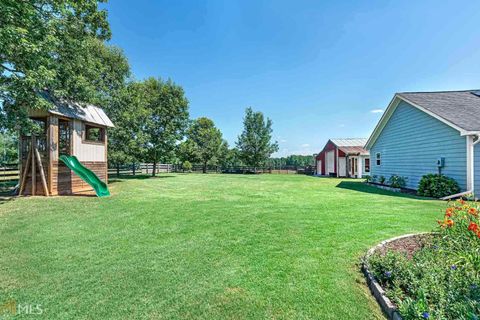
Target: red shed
{"type": "Point", "coordinates": [343, 158]}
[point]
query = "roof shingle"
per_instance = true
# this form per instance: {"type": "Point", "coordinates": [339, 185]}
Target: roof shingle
{"type": "Point", "coordinates": [461, 108]}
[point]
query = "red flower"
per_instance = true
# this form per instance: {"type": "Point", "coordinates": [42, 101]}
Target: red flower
{"type": "Point", "coordinates": [473, 227]}
{"type": "Point", "coordinates": [473, 211]}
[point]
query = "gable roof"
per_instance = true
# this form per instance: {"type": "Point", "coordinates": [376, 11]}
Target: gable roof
{"type": "Point", "coordinates": [457, 109]}
{"type": "Point", "coordinates": [74, 110]}
{"type": "Point", "coordinates": [351, 146]}
{"type": "Point", "coordinates": [354, 150]}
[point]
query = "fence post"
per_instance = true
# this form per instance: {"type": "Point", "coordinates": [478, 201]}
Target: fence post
{"type": "Point", "coordinates": [133, 168]}
{"type": "Point", "coordinates": [118, 170]}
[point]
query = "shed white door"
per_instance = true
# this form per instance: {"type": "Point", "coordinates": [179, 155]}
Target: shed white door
{"type": "Point", "coordinates": [319, 167]}
{"type": "Point", "coordinates": [330, 162]}
{"type": "Point", "coordinates": [342, 166]}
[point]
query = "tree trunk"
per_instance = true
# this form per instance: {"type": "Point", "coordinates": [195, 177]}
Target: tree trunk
{"type": "Point", "coordinates": [118, 170]}
{"type": "Point", "coordinates": [154, 172]}
{"type": "Point", "coordinates": [205, 167]}
{"type": "Point", "coordinates": [133, 168]}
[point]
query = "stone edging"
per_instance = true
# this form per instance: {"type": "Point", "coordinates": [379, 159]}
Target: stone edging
{"type": "Point", "coordinates": [385, 303]}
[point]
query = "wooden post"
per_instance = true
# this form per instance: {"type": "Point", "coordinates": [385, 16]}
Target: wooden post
{"type": "Point", "coordinates": [42, 173]}
{"type": "Point", "coordinates": [34, 168]}
{"type": "Point", "coordinates": [25, 173]}
{"type": "Point", "coordinates": [52, 144]}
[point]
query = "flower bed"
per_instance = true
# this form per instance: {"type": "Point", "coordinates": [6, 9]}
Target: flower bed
{"type": "Point", "coordinates": [440, 277]}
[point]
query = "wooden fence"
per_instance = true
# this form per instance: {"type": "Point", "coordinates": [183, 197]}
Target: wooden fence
{"type": "Point", "coordinates": [9, 172]}
{"type": "Point", "coordinates": [137, 169]}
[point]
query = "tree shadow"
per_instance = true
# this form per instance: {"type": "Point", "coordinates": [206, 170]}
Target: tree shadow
{"type": "Point", "coordinates": [359, 186]}
{"type": "Point", "coordinates": [115, 179]}
{"type": "Point", "coordinates": [5, 198]}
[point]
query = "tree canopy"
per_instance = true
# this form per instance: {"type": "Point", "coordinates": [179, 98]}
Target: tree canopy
{"type": "Point", "coordinates": [167, 119]}
{"type": "Point", "coordinates": [204, 142]}
{"type": "Point", "coordinates": [255, 142]}
{"type": "Point", "coordinates": [128, 111]}
{"type": "Point", "coordinates": [292, 160]}
{"type": "Point", "coordinates": [59, 46]}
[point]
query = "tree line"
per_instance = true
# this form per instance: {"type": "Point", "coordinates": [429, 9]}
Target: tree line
{"type": "Point", "coordinates": [61, 47]}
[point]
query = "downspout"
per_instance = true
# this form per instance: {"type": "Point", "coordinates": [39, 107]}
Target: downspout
{"type": "Point", "coordinates": [470, 167]}
{"type": "Point", "coordinates": [475, 142]}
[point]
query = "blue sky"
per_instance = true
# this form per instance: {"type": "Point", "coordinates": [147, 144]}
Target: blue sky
{"type": "Point", "coordinates": [318, 69]}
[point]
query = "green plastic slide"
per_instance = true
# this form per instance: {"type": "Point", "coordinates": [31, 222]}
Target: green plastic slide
{"type": "Point", "coordinates": [87, 175]}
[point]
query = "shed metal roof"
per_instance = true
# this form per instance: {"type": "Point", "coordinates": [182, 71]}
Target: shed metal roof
{"type": "Point", "coordinates": [349, 142]}
{"type": "Point", "coordinates": [74, 110]}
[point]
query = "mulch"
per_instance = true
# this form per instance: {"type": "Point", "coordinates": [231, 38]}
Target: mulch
{"type": "Point", "coordinates": [408, 245]}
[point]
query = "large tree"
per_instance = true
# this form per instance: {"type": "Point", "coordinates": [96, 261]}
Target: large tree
{"type": "Point", "coordinates": [203, 142]}
{"type": "Point", "coordinates": [59, 46]}
{"type": "Point", "coordinates": [167, 119]}
{"type": "Point", "coordinates": [128, 111]}
{"type": "Point", "coordinates": [229, 157]}
{"type": "Point", "coordinates": [255, 143]}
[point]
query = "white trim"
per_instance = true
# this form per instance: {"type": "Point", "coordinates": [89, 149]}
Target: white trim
{"type": "Point", "coordinates": [392, 106]}
{"type": "Point", "coordinates": [457, 195]}
{"type": "Point", "coordinates": [337, 166]}
{"type": "Point", "coordinates": [470, 163]}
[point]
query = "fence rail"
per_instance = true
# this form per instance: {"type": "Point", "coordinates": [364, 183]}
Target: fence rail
{"type": "Point", "coordinates": [9, 172]}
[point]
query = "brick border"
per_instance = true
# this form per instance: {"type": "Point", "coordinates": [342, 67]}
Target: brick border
{"type": "Point", "coordinates": [385, 303]}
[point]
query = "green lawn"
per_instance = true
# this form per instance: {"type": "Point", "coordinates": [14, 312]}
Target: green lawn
{"type": "Point", "coordinates": [204, 247]}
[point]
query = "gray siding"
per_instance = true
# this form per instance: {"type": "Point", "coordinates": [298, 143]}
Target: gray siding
{"type": "Point", "coordinates": [411, 143]}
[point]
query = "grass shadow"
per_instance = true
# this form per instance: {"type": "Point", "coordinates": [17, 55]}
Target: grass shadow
{"type": "Point", "coordinates": [362, 187]}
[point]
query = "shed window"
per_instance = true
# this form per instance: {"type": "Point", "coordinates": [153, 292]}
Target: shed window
{"type": "Point", "coordinates": [64, 136]}
{"type": "Point", "coordinates": [94, 134]}
{"type": "Point", "coordinates": [378, 158]}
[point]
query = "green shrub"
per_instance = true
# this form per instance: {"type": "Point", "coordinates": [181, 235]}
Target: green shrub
{"type": "Point", "coordinates": [442, 279]}
{"type": "Point", "coordinates": [368, 178]}
{"type": "Point", "coordinates": [397, 181]}
{"type": "Point", "coordinates": [437, 186]}
{"type": "Point", "coordinates": [382, 180]}
{"type": "Point", "coordinates": [187, 166]}
{"type": "Point", "coordinates": [374, 178]}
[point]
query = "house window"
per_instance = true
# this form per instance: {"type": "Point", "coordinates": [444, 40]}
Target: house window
{"type": "Point", "coordinates": [94, 134]}
{"type": "Point", "coordinates": [378, 157]}
{"type": "Point", "coordinates": [367, 165]}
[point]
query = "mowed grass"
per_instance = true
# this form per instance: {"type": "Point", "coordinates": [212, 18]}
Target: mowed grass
{"type": "Point", "coordinates": [203, 247]}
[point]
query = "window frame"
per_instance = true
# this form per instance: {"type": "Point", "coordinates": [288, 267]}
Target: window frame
{"type": "Point", "coordinates": [378, 158]}
{"type": "Point", "coordinates": [69, 125]}
{"type": "Point", "coordinates": [367, 166]}
{"type": "Point", "coordinates": [88, 126]}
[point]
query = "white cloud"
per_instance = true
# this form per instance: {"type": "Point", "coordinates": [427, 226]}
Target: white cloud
{"type": "Point", "coordinates": [305, 145]}
{"type": "Point", "coordinates": [342, 125]}
{"type": "Point", "coordinates": [283, 140]}
{"type": "Point", "coordinates": [376, 111]}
